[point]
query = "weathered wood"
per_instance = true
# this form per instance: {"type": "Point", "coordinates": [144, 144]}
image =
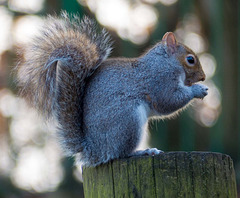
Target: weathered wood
{"type": "Point", "coordinates": [168, 175]}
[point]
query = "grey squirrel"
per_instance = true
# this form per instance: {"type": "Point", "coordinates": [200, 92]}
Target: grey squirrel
{"type": "Point", "coordinates": [102, 104]}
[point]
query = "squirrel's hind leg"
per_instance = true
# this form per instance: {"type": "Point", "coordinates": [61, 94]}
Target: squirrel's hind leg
{"type": "Point", "coordinates": [149, 151]}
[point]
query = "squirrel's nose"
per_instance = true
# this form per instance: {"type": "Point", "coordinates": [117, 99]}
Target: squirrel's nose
{"type": "Point", "coordinates": [202, 76]}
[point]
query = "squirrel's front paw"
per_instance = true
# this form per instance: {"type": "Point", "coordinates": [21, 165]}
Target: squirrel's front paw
{"type": "Point", "coordinates": [199, 91]}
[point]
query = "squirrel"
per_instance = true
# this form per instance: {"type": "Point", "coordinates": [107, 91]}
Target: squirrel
{"type": "Point", "coordinates": [102, 105]}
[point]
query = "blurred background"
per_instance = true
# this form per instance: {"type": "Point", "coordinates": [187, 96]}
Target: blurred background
{"type": "Point", "coordinates": [31, 162]}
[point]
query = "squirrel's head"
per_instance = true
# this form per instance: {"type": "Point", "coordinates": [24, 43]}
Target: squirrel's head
{"type": "Point", "coordinates": [187, 58]}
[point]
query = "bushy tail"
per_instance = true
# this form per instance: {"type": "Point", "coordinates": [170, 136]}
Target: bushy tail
{"type": "Point", "coordinates": [54, 69]}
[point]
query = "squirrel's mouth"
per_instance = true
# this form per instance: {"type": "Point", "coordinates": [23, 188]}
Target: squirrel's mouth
{"type": "Point", "coordinates": [194, 78]}
{"type": "Point", "coordinates": [188, 83]}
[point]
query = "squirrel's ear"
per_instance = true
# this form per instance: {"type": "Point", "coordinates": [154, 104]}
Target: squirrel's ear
{"type": "Point", "coordinates": [170, 41]}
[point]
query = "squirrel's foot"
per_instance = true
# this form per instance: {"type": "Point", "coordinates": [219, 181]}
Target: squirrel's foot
{"type": "Point", "coordinates": [149, 151]}
{"type": "Point", "coordinates": [199, 91]}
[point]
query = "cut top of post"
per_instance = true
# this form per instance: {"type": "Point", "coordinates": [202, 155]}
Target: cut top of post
{"type": "Point", "coordinates": [171, 174]}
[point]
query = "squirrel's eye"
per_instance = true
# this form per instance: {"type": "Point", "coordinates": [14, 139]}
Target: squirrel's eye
{"type": "Point", "coordinates": [190, 59]}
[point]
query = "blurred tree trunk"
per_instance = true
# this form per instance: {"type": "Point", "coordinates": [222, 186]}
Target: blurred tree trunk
{"type": "Point", "coordinates": [230, 69]}
{"type": "Point", "coordinates": [52, 6]}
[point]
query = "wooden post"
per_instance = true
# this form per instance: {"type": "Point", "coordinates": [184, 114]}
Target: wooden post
{"type": "Point", "coordinates": [168, 175]}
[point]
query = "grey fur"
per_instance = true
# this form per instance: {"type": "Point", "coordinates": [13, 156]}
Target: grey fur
{"type": "Point", "coordinates": [112, 123]}
{"type": "Point", "coordinates": [101, 106]}
{"type": "Point", "coordinates": [56, 65]}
